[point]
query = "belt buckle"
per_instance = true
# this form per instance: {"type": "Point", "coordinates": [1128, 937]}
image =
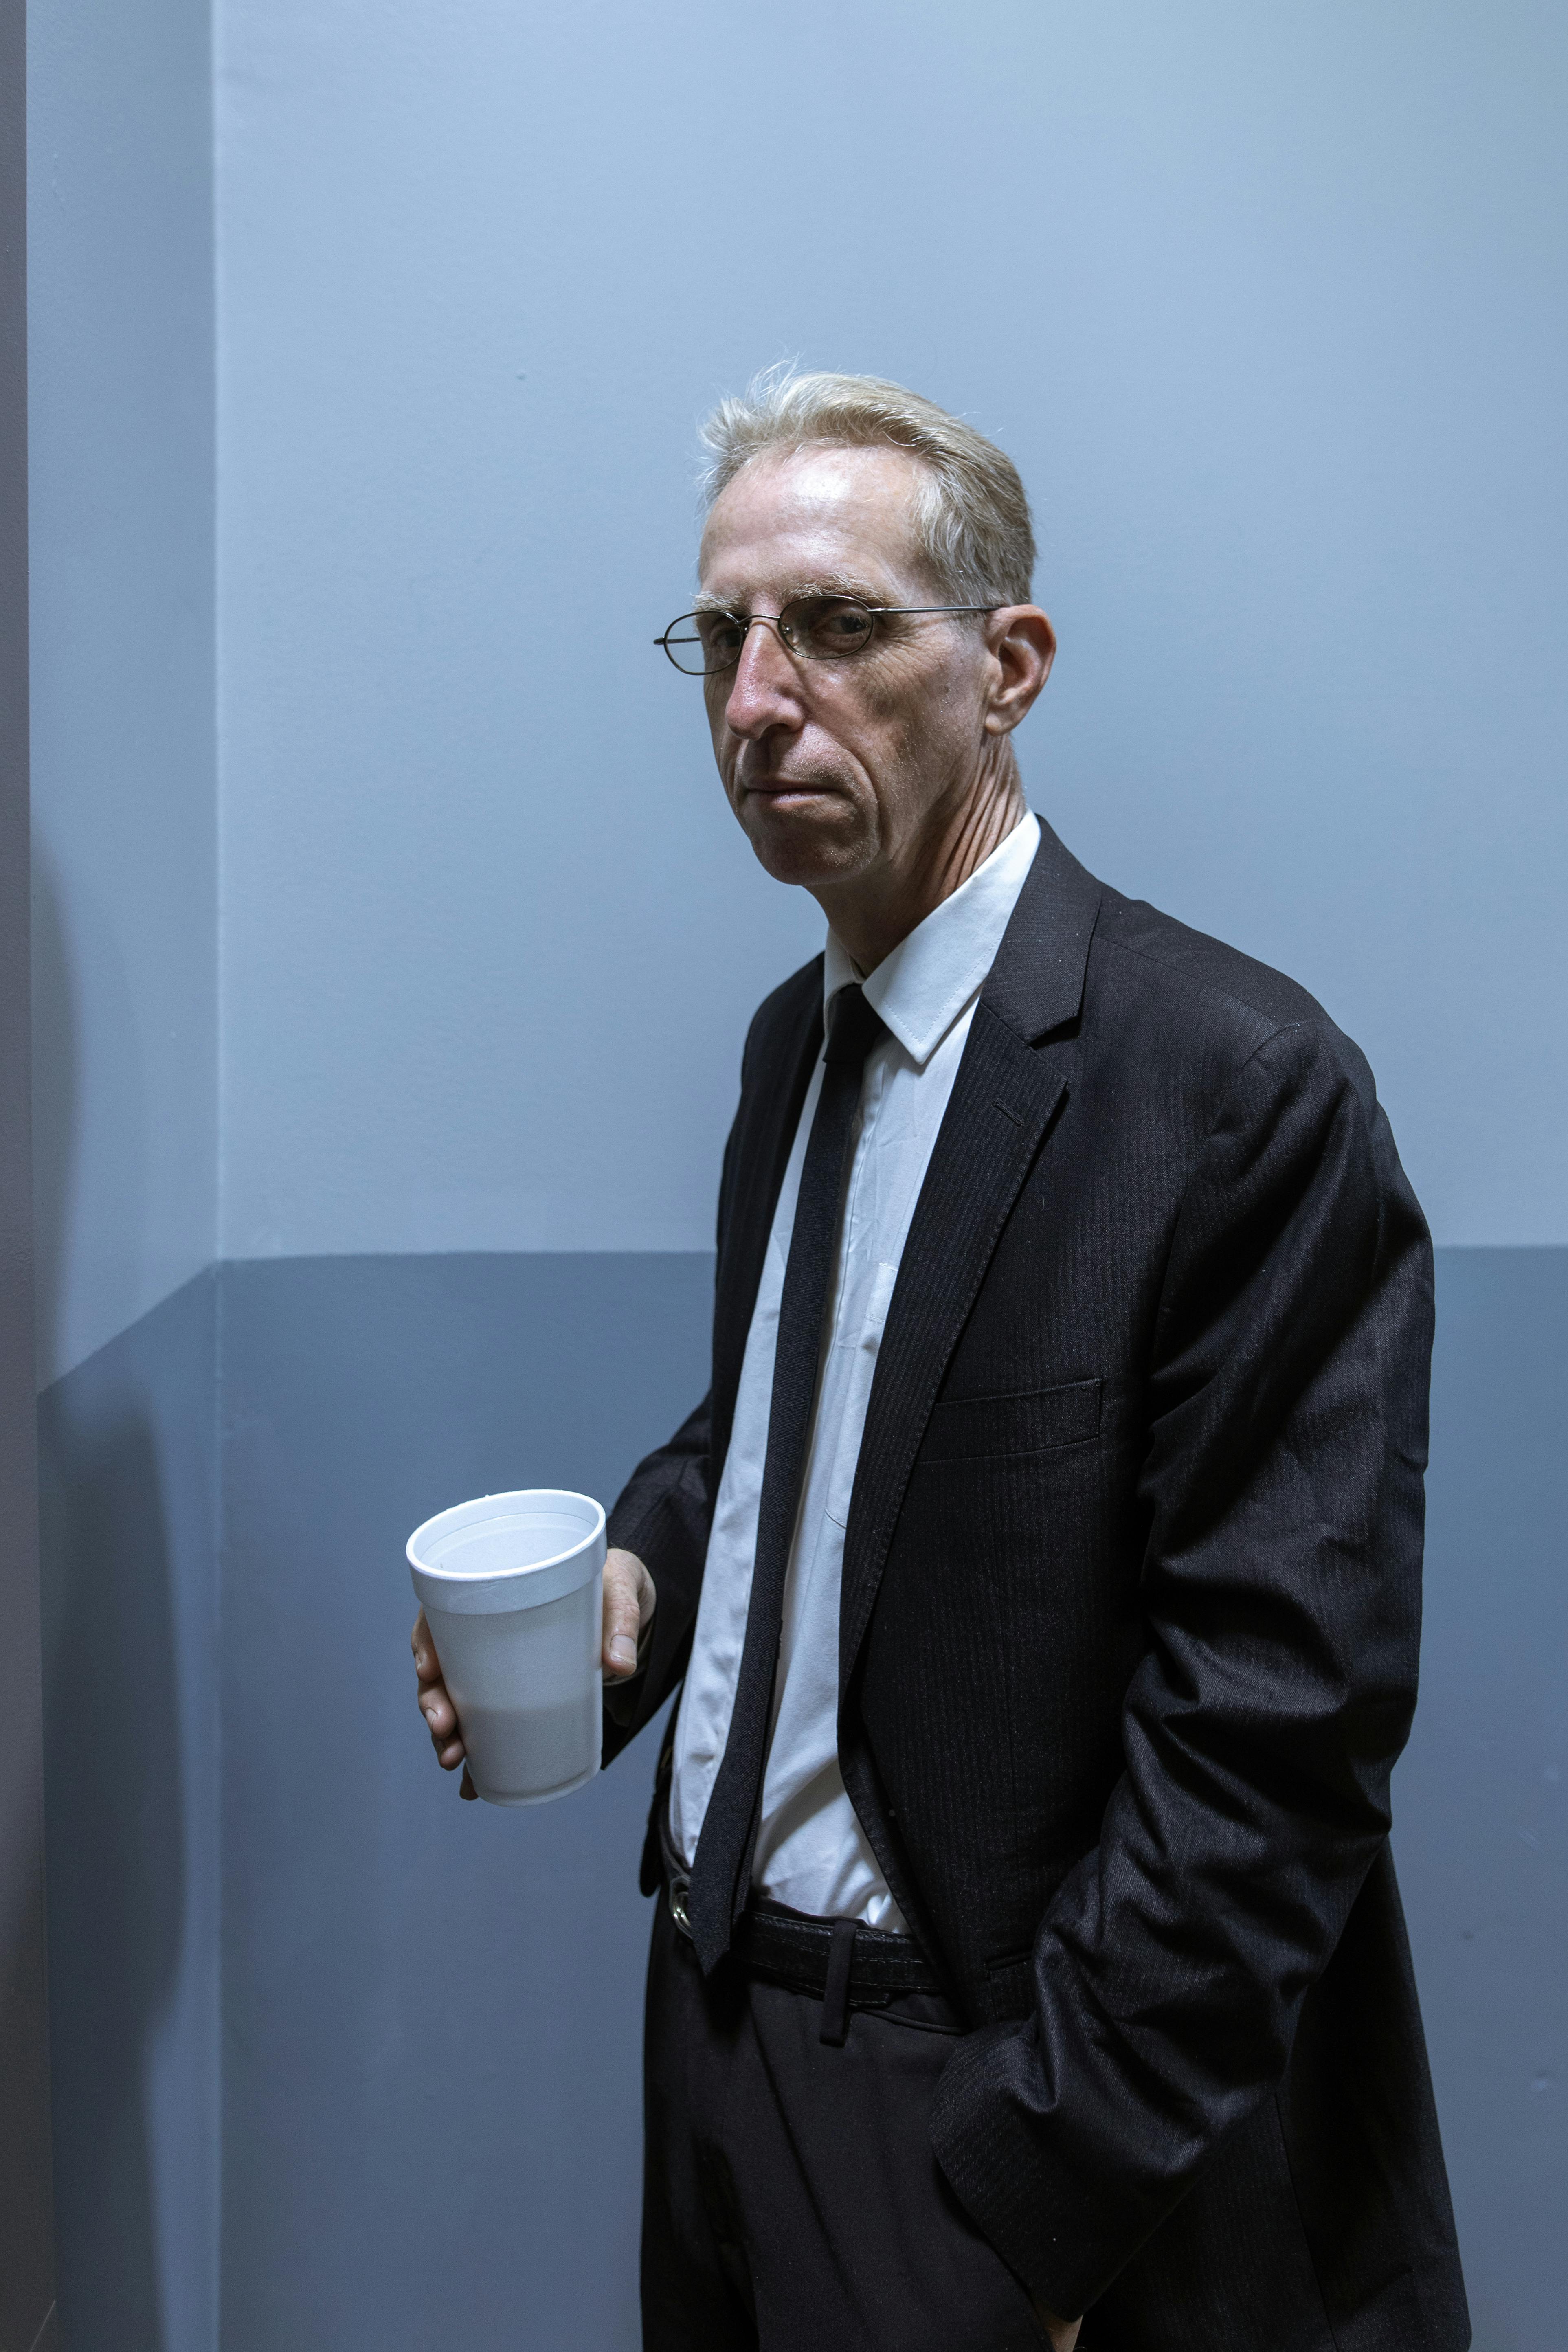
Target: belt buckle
{"type": "Point", "coordinates": [677, 1911]}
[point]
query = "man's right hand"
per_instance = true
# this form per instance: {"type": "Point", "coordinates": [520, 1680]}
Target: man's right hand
{"type": "Point", "coordinates": [629, 1599]}
{"type": "Point", "coordinates": [436, 1707]}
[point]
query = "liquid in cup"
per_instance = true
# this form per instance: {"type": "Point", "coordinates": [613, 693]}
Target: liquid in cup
{"type": "Point", "coordinates": [512, 1589]}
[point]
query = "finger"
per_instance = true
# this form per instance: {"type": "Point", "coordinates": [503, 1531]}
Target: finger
{"type": "Point", "coordinates": [436, 1707]}
{"type": "Point", "coordinates": [450, 1753]}
{"type": "Point", "coordinates": [465, 1787]}
{"type": "Point", "coordinates": [623, 1613]}
{"type": "Point", "coordinates": [426, 1665]}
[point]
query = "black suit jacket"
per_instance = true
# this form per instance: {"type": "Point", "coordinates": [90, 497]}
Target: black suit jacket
{"type": "Point", "coordinates": [1129, 1625]}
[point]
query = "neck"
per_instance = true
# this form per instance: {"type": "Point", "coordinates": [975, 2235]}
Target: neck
{"type": "Point", "coordinates": [872, 913]}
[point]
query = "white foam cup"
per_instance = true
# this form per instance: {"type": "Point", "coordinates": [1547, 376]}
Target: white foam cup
{"type": "Point", "coordinates": [511, 1586]}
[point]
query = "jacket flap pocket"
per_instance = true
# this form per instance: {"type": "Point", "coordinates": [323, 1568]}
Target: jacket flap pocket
{"type": "Point", "coordinates": [1032, 1421]}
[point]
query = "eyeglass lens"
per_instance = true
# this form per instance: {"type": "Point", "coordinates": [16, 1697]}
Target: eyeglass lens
{"type": "Point", "coordinates": [819, 628]}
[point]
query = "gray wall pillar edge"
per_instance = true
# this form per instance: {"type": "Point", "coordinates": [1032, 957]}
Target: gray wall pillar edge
{"type": "Point", "coordinates": [27, 2263]}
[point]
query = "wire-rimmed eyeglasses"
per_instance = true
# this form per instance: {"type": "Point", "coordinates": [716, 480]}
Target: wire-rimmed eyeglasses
{"type": "Point", "coordinates": [817, 628]}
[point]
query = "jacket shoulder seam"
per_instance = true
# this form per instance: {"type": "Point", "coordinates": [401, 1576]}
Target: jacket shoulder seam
{"type": "Point", "coordinates": [1212, 988]}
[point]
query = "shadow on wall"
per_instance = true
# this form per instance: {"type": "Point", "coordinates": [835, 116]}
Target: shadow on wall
{"type": "Point", "coordinates": [126, 1529]}
{"type": "Point", "coordinates": [90, 1172]}
{"type": "Point", "coordinates": [25, 2222]}
{"type": "Point", "coordinates": [116, 1877]}
{"type": "Point", "coordinates": [56, 1086]}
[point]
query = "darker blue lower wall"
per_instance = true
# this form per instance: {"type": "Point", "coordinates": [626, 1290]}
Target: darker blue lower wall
{"type": "Point", "coordinates": [431, 2010]}
{"type": "Point", "coordinates": [1480, 1801]}
{"type": "Point", "coordinates": [127, 1521]}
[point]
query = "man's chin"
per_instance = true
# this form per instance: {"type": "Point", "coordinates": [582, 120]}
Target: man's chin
{"type": "Point", "coordinates": [806, 837]}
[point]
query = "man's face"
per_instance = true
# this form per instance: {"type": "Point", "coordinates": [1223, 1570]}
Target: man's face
{"type": "Point", "coordinates": [835, 767]}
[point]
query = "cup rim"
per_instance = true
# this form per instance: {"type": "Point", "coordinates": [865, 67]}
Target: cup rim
{"type": "Point", "coordinates": [473, 1578]}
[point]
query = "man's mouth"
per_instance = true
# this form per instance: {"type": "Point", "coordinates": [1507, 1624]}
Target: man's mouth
{"type": "Point", "coordinates": [784, 787]}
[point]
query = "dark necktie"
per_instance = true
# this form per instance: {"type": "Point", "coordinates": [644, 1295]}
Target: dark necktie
{"type": "Point", "coordinates": [722, 1873]}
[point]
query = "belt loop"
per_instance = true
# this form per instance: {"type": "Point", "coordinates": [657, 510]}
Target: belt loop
{"type": "Point", "coordinates": [836, 1990]}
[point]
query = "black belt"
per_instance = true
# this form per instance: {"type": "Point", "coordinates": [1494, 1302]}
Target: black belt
{"type": "Point", "coordinates": [841, 1962]}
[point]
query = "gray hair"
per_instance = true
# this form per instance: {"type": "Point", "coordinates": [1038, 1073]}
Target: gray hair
{"type": "Point", "coordinates": [971, 516]}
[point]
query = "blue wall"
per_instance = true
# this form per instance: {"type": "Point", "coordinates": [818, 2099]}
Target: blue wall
{"type": "Point", "coordinates": [438, 974]}
{"type": "Point", "coordinates": [121, 334]}
{"type": "Point", "coordinates": [124, 815]}
{"type": "Point", "coordinates": [1264, 301]}
{"type": "Point", "coordinates": [432, 2010]}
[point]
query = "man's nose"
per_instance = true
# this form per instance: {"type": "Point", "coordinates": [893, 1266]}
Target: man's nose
{"type": "Point", "coordinates": [764, 689]}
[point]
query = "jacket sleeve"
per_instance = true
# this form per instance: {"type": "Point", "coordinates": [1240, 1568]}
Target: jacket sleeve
{"type": "Point", "coordinates": [663, 1516]}
{"type": "Point", "coordinates": [1282, 1484]}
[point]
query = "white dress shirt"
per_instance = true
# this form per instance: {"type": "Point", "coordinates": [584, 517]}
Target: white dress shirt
{"type": "Point", "coordinates": [811, 1850]}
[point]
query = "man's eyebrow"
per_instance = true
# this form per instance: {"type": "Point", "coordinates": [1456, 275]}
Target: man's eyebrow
{"type": "Point", "coordinates": [834, 584]}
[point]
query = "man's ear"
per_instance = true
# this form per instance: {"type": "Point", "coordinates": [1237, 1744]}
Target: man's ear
{"type": "Point", "coordinates": [1022, 646]}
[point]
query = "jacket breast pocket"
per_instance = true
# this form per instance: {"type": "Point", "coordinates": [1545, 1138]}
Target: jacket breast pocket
{"type": "Point", "coordinates": [1030, 1420]}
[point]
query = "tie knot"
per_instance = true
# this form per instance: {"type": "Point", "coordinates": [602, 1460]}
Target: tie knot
{"type": "Point", "coordinates": [854, 1028]}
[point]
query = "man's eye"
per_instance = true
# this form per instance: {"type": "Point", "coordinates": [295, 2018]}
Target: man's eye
{"type": "Point", "coordinates": [831, 624]}
{"type": "Point", "coordinates": [721, 633]}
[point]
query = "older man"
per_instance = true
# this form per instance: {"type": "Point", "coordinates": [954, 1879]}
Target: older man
{"type": "Point", "coordinates": [1041, 1575]}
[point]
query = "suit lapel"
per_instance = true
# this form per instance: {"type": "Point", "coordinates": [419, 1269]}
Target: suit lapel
{"type": "Point", "coordinates": [1011, 1084]}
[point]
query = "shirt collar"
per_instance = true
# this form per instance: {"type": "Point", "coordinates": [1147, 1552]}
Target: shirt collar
{"type": "Point", "coordinates": [921, 989]}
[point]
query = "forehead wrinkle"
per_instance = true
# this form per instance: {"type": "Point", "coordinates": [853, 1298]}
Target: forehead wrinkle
{"type": "Point", "coordinates": [831, 584]}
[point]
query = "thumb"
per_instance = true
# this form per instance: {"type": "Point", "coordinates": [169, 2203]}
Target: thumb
{"type": "Point", "coordinates": [623, 1576]}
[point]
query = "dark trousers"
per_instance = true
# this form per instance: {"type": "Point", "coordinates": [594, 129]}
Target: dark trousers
{"type": "Point", "coordinates": [791, 2200]}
